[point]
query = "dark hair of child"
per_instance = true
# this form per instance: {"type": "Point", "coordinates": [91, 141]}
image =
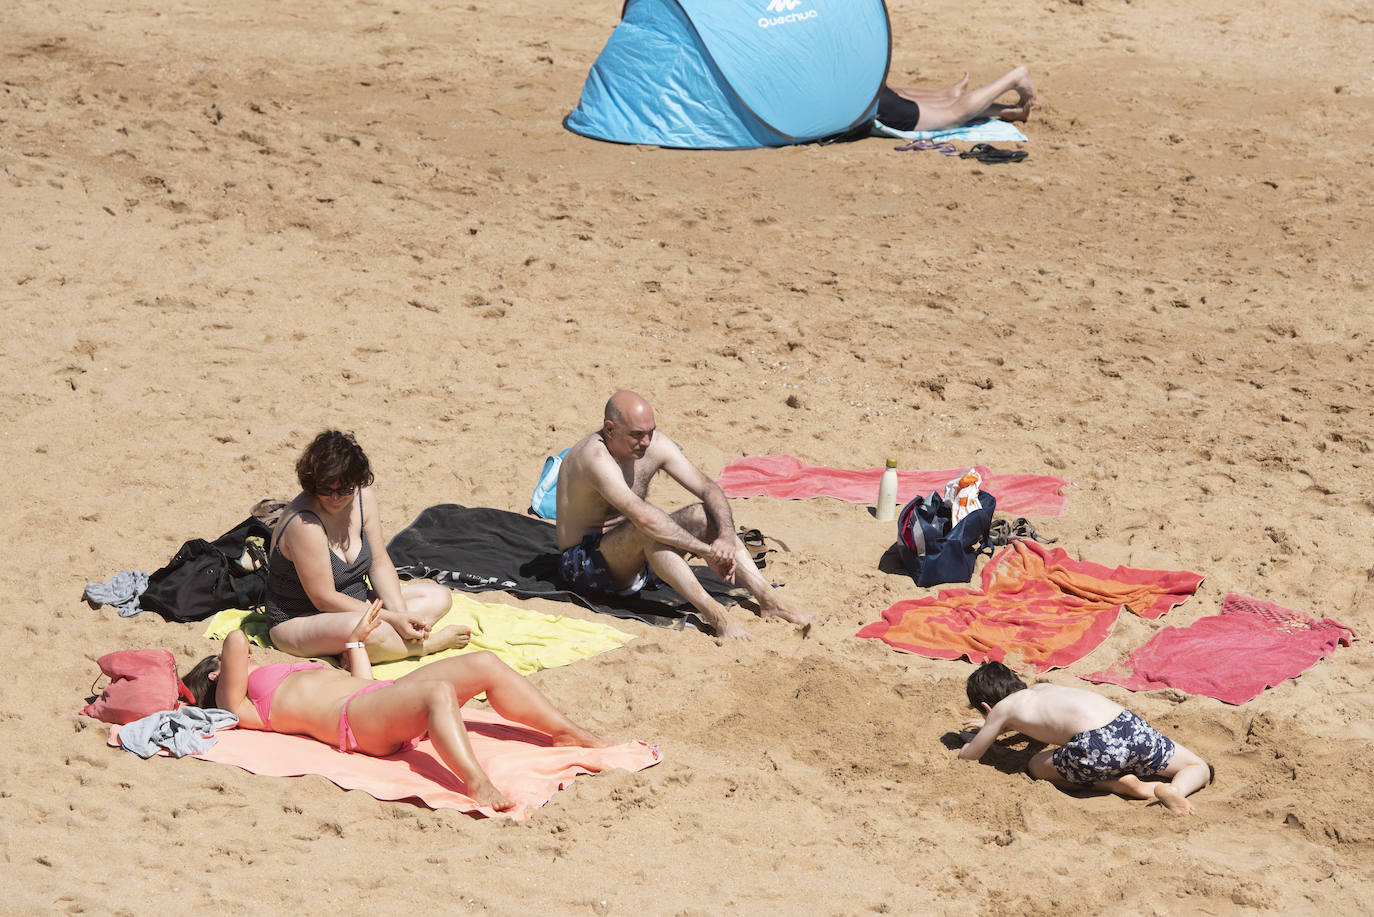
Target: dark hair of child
{"type": "Point", "coordinates": [990, 683]}
{"type": "Point", "coordinates": [333, 459]}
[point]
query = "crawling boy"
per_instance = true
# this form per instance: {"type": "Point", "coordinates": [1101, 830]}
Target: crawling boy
{"type": "Point", "coordinates": [1101, 744]}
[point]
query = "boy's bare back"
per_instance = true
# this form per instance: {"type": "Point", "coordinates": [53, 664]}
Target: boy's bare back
{"type": "Point", "coordinates": [1047, 713]}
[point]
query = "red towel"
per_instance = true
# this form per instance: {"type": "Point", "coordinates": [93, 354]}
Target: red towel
{"type": "Point", "coordinates": [519, 761]}
{"type": "Point", "coordinates": [1232, 656]}
{"type": "Point", "coordinates": [1038, 607]}
{"type": "Point", "coordinates": [786, 477]}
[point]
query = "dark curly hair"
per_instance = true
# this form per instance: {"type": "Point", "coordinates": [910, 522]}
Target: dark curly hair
{"type": "Point", "coordinates": [333, 458]}
{"type": "Point", "coordinates": [990, 683]}
{"type": "Point", "coordinates": [198, 681]}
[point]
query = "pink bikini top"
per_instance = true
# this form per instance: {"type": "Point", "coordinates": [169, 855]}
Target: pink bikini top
{"type": "Point", "coordinates": [264, 681]}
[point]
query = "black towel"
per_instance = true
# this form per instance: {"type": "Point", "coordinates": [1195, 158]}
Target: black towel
{"type": "Point", "coordinates": [479, 549]}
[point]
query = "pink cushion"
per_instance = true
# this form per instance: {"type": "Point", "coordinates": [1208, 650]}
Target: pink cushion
{"type": "Point", "coordinates": [141, 682]}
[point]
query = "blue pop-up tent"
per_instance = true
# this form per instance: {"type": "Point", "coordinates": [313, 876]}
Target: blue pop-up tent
{"type": "Point", "coordinates": [726, 74]}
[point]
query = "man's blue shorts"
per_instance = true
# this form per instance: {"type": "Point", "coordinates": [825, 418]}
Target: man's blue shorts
{"type": "Point", "coordinates": [583, 569]}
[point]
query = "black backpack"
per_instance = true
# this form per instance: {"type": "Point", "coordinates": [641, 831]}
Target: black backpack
{"type": "Point", "coordinates": [205, 577]}
{"type": "Point", "coordinates": [932, 550]}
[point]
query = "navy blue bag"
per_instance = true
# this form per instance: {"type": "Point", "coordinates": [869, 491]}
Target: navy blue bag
{"type": "Point", "coordinates": [932, 550]}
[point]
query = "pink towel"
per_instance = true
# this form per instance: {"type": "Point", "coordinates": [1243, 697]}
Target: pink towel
{"type": "Point", "coordinates": [1232, 656]}
{"type": "Point", "coordinates": [786, 477]}
{"type": "Point", "coordinates": [1038, 606]}
{"type": "Point", "coordinates": [519, 761]}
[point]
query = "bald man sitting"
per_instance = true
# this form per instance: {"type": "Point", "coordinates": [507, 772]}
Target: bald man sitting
{"type": "Point", "coordinates": [614, 541]}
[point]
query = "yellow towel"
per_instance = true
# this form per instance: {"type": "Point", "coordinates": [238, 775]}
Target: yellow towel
{"type": "Point", "coordinates": [252, 623]}
{"type": "Point", "coordinates": [527, 641]}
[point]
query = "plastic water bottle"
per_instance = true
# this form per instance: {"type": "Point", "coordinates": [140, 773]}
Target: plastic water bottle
{"type": "Point", "coordinates": [887, 493]}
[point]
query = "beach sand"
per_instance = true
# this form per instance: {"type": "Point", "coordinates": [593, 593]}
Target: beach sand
{"type": "Point", "coordinates": [227, 226]}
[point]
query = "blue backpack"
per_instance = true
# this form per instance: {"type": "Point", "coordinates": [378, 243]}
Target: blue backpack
{"type": "Point", "coordinates": [932, 550]}
{"type": "Point", "coordinates": [544, 500]}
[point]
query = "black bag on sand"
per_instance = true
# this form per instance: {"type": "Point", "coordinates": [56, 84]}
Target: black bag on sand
{"type": "Point", "coordinates": [932, 550]}
{"type": "Point", "coordinates": [205, 577]}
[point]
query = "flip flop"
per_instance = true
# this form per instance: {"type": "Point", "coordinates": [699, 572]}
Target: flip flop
{"type": "Point", "coordinates": [997, 156]}
{"type": "Point", "coordinates": [944, 149]}
{"type": "Point", "coordinates": [757, 544]}
{"type": "Point", "coordinates": [991, 155]}
{"type": "Point", "coordinates": [1022, 528]}
{"type": "Point", "coordinates": [1002, 532]}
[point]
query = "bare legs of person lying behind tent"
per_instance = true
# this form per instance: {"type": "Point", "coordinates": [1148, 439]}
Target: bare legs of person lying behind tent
{"type": "Point", "coordinates": [956, 105]}
{"type": "Point", "coordinates": [355, 713]}
{"type": "Point", "coordinates": [944, 94]}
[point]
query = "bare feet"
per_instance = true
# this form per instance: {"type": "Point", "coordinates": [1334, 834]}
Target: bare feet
{"type": "Point", "coordinates": [488, 795]}
{"type": "Point", "coordinates": [581, 738]}
{"type": "Point", "coordinates": [730, 630]}
{"type": "Point", "coordinates": [1132, 787]}
{"type": "Point", "coordinates": [1173, 800]}
{"type": "Point", "coordinates": [450, 638]}
{"type": "Point", "coordinates": [1025, 98]}
{"type": "Point", "coordinates": [1010, 112]}
{"type": "Point", "coordinates": [1025, 89]}
{"type": "Point", "coordinates": [779, 609]}
{"type": "Point", "coordinates": [957, 89]}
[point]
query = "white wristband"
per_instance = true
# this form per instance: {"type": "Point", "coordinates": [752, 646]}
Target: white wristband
{"type": "Point", "coordinates": [354, 645]}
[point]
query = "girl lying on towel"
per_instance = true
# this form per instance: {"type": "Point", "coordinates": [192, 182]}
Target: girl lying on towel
{"type": "Point", "coordinates": [355, 713]}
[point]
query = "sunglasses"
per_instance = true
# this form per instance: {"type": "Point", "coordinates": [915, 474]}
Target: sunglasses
{"type": "Point", "coordinates": [335, 491]}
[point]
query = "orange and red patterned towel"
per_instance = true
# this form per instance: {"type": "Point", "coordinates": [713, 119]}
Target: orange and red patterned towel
{"type": "Point", "coordinates": [1038, 606]}
{"type": "Point", "coordinates": [1232, 656]}
{"type": "Point", "coordinates": [787, 477]}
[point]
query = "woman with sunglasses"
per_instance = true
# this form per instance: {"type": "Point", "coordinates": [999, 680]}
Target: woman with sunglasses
{"type": "Point", "coordinates": [327, 548]}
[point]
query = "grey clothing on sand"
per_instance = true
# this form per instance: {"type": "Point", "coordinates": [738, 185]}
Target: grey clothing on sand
{"type": "Point", "coordinates": [184, 731]}
{"type": "Point", "coordinates": [122, 590]}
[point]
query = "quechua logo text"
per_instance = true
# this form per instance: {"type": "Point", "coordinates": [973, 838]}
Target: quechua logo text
{"type": "Point", "coordinates": [787, 13]}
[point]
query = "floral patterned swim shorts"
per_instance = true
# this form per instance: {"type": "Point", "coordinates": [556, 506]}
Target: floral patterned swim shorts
{"type": "Point", "coordinates": [1126, 745]}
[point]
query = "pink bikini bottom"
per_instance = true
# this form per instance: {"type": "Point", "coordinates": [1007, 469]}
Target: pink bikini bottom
{"type": "Point", "coordinates": [347, 742]}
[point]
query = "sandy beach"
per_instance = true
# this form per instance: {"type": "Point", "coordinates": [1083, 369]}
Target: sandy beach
{"type": "Point", "coordinates": [229, 226]}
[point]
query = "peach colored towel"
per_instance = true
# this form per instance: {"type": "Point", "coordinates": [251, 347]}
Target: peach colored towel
{"type": "Point", "coordinates": [1039, 609]}
{"type": "Point", "coordinates": [788, 478]}
{"type": "Point", "coordinates": [519, 761]}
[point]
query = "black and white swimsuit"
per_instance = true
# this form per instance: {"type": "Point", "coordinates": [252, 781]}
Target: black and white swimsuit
{"type": "Point", "coordinates": [286, 598]}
